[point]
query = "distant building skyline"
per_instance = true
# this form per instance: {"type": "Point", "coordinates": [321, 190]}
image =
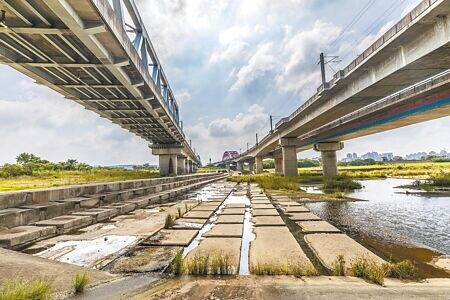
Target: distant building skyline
{"type": "Point", "coordinates": [389, 156]}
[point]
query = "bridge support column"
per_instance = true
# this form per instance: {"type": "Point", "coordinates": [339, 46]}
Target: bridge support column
{"type": "Point", "coordinates": [239, 166]}
{"type": "Point", "coordinates": [251, 167]}
{"type": "Point", "coordinates": [289, 153]}
{"type": "Point", "coordinates": [278, 159]}
{"type": "Point", "coordinates": [259, 164]}
{"type": "Point", "coordinates": [329, 160]}
{"type": "Point", "coordinates": [181, 164]}
{"type": "Point", "coordinates": [168, 158]}
{"type": "Point", "coordinates": [190, 166]}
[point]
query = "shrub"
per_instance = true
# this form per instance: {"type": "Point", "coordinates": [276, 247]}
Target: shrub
{"type": "Point", "coordinates": [180, 214]}
{"type": "Point", "coordinates": [14, 170]}
{"type": "Point", "coordinates": [368, 269]}
{"type": "Point", "coordinates": [297, 270]}
{"type": "Point", "coordinates": [80, 281]}
{"type": "Point", "coordinates": [340, 184]}
{"type": "Point", "coordinates": [404, 269]}
{"type": "Point", "coordinates": [339, 266]}
{"type": "Point", "coordinates": [18, 289]}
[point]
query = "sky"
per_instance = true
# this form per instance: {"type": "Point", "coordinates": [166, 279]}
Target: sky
{"type": "Point", "coordinates": [231, 64]}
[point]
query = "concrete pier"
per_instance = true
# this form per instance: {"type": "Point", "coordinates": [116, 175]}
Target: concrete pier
{"type": "Point", "coordinates": [278, 159]}
{"type": "Point", "coordinates": [181, 165]}
{"type": "Point", "coordinates": [251, 167]}
{"type": "Point", "coordinates": [289, 162]}
{"type": "Point", "coordinates": [329, 160]}
{"type": "Point", "coordinates": [240, 166]}
{"type": "Point", "coordinates": [259, 164]}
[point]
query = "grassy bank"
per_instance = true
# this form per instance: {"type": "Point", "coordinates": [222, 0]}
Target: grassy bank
{"type": "Point", "coordinates": [420, 170]}
{"type": "Point", "coordinates": [434, 183]}
{"type": "Point", "coordinates": [45, 179]}
{"type": "Point", "coordinates": [334, 185]}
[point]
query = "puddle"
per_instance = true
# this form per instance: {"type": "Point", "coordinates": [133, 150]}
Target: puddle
{"type": "Point", "coordinates": [247, 237]}
{"type": "Point", "coordinates": [312, 189]}
{"type": "Point", "coordinates": [87, 252]}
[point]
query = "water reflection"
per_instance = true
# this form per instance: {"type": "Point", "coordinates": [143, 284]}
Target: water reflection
{"type": "Point", "coordinates": [392, 215]}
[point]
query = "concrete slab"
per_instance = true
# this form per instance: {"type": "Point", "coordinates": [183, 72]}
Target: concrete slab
{"type": "Point", "coordinates": [268, 221]}
{"type": "Point", "coordinates": [13, 217]}
{"type": "Point", "coordinates": [290, 204]}
{"type": "Point", "coordinates": [262, 206]}
{"type": "Point", "coordinates": [230, 219]}
{"type": "Point", "coordinates": [23, 235]}
{"type": "Point", "coordinates": [235, 205]}
{"type": "Point", "coordinates": [265, 212]}
{"type": "Point", "coordinates": [198, 215]}
{"type": "Point", "coordinates": [67, 223]}
{"type": "Point", "coordinates": [52, 209]}
{"type": "Point", "coordinates": [317, 227]}
{"type": "Point", "coordinates": [225, 230]}
{"type": "Point", "coordinates": [230, 247]}
{"type": "Point", "coordinates": [14, 264]}
{"type": "Point", "coordinates": [233, 211]}
{"type": "Point", "coordinates": [205, 208]}
{"type": "Point", "coordinates": [98, 214]}
{"type": "Point", "coordinates": [327, 246]}
{"type": "Point", "coordinates": [275, 246]}
{"type": "Point", "coordinates": [296, 209]}
{"type": "Point", "coordinates": [196, 221]}
{"type": "Point", "coordinates": [171, 237]}
{"type": "Point", "coordinates": [306, 216]}
{"type": "Point", "coordinates": [267, 201]}
{"type": "Point", "coordinates": [139, 202]}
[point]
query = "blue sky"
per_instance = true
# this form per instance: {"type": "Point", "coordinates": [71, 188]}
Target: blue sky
{"type": "Point", "coordinates": [231, 64]}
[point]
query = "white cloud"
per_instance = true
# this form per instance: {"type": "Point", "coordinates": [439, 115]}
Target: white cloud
{"type": "Point", "coordinates": [259, 64]}
{"type": "Point", "coordinates": [183, 96]}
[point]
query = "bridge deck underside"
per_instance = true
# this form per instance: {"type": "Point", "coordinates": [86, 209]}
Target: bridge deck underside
{"type": "Point", "coordinates": [50, 47]}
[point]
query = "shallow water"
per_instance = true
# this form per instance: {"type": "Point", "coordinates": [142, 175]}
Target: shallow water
{"type": "Point", "coordinates": [87, 252]}
{"type": "Point", "coordinates": [391, 216]}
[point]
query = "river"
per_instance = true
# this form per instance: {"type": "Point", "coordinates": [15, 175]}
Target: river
{"type": "Point", "coordinates": [392, 219]}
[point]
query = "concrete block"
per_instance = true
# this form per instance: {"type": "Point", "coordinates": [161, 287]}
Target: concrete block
{"type": "Point", "coordinates": [172, 237]}
{"type": "Point", "coordinates": [233, 211]}
{"type": "Point", "coordinates": [230, 219]}
{"type": "Point", "coordinates": [23, 235]}
{"type": "Point", "coordinates": [14, 199]}
{"type": "Point", "coordinates": [265, 212]}
{"type": "Point", "coordinates": [268, 221]}
{"type": "Point", "coordinates": [225, 230]}
{"type": "Point", "coordinates": [306, 216]}
{"type": "Point", "coordinates": [98, 214]}
{"type": "Point", "coordinates": [67, 223]}
{"type": "Point", "coordinates": [139, 202]}
{"type": "Point", "coordinates": [13, 217]}
{"type": "Point", "coordinates": [262, 206]}
{"type": "Point", "coordinates": [51, 209]}
{"type": "Point", "coordinates": [83, 202]}
{"type": "Point", "coordinates": [122, 208]}
{"type": "Point", "coordinates": [198, 214]}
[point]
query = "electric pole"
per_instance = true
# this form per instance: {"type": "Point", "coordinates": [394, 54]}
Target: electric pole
{"type": "Point", "coordinates": [322, 67]}
{"type": "Point", "coordinates": [256, 139]}
{"type": "Point", "coordinates": [271, 124]}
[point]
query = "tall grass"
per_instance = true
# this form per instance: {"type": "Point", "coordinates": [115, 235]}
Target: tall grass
{"type": "Point", "coordinates": [17, 289]}
{"type": "Point", "coordinates": [209, 264]}
{"type": "Point", "coordinates": [339, 266]}
{"type": "Point", "coordinates": [297, 270]}
{"type": "Point", "coordinates": [176, 266]}
{"type": "Point", "coordinates": [368, 269]}
{"type": "Point", "coordinates": [404, 270]}
{"type": "Point", "coordinates": [80, 281]}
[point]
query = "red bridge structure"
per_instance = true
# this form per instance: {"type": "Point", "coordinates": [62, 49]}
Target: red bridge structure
{"type": "Point", "coordinates": [230, 155]}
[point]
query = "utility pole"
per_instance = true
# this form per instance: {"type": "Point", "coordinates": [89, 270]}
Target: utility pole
{"type": "Point", "coordinates": [256, 139]}
{"type": "Point", "coordinates": [240, 150]}
{"type": "Point", "coordinates": [271, 124]}
{"type": "Point", "coordinates": [190, 143]}
{"type": "Point", "coordinates": [322, 67]}
{"type": "Point", "coordinates": [247, 146]}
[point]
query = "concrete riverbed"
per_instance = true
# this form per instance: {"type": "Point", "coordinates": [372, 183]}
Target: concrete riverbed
{"type": "Point", "coordinates": [253, 232]}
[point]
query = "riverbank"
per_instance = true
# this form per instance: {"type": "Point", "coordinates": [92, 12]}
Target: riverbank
{"type": "Point", "coordinates": [46, 179]}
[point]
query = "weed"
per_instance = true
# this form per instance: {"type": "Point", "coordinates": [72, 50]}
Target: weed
{"type": "Point", "coordinates": [368, 269]}
{"type": "Point", "coordinates": [176, 266]}
{"type": "Point", "coordinates": [404, 269]}
{"type": "Point", "coordinates": [340, 184]}
{"type": "Point", "coordinates": [180, 214]}
{"type": "Point", "coordinates": [186, 208]}
{"type": "Point", "coordinates": [339, 266]}
{"type": "Point", "coordinates": [169, 222]}
{"type": "Point", "coordinates": [296, 270]}
{"type": "Point", "coordinates": [209, 264]}
{"type": "Point", "coordinates": [18, 289]}
{"type": "Point", "coordinates": [80, 281]}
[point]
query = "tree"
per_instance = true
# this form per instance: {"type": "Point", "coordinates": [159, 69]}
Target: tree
{"type": "Point", "coordinates": [26, 158]}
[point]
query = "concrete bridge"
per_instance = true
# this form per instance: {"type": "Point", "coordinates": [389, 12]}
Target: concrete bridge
{"type": "Point", "coordinates": [380, 90]}
{"type": "Point", "coordinates": [100, 56]}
